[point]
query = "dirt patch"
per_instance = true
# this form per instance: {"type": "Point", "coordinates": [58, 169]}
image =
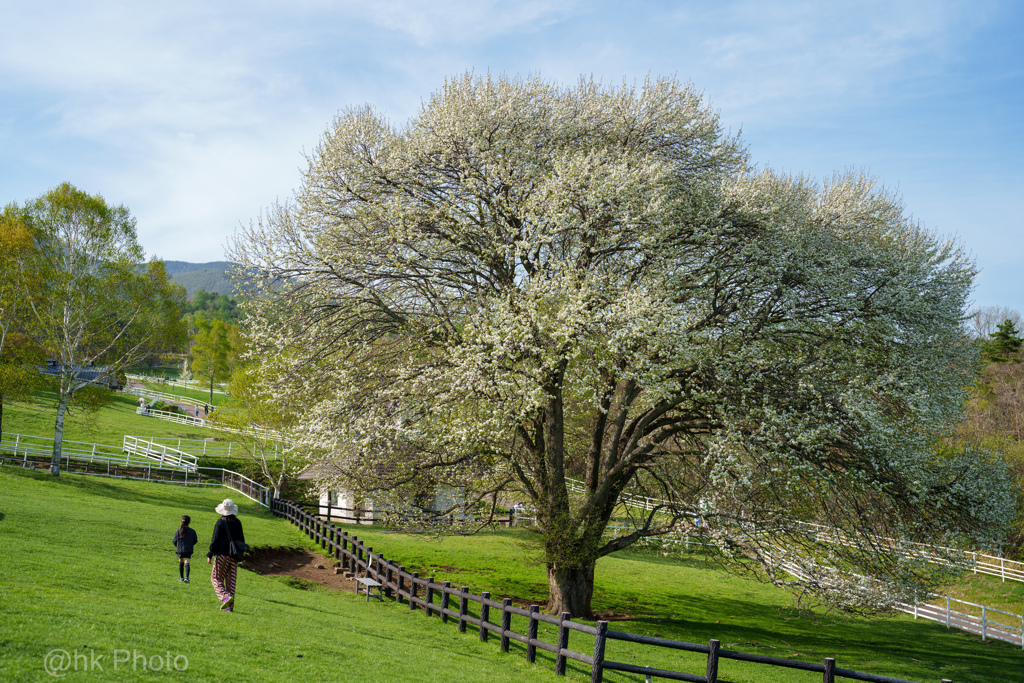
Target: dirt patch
{"type": "Point", "coordinates": [298, 563]}
{"type": "Point", "coordinates": [307, 566]}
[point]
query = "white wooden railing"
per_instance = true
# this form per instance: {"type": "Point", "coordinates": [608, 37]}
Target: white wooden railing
{"type": "Point", "coordinates": [218, 388]}
{"type": "Point", "coordinates": [163, 454]}
{"type": "Point", "coordinates": [178, 418]}
{"type": "Point", "coordinates": [40, 449]}
{"type": "Point", "coordinates": [209, 448]}
{"type": "Point", "coordinates": [107, 461]}
{"type": "Point", "coordinates": [163, 396]}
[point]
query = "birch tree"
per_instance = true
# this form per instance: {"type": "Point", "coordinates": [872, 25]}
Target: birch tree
{"type": "Point", "coordinates": [568, 294]}
{"type": "Point", "coordinates": [95, 302]}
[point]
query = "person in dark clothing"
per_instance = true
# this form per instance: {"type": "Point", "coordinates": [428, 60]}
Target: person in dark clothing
{"type": "Point", "coordinates": [185, 539]}
{"type": "Point", "coordinates": [225, 569]}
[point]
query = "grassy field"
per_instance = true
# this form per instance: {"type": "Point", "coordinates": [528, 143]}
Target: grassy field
{"type": "Point", "coordinates": [88, 568]}
{"type": "Point", "coordinates": [88, 565]}
{"type": "Point", "coordinates": [195, 394]}
{"type": "Point", "coordinates": [106, 426]}
{"type": "Point", "coordinates": [693, 600]}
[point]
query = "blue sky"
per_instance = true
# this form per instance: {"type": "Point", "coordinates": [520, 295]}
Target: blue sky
{"type": "Point", "coordinates": [197, 115]}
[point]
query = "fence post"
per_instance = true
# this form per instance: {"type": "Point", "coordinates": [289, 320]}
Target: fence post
{"type": "Point", "coordinates": [563, 643]}
{"type": "Point", "coordinates": [947, 611]}
{"type": "Point", "coordinates": [387, 579]}
{"type": "Point", "coordinates": [400, 586]}
{"type": "Point", "coordinates": [712, 671]}
{"type": "Point", "coordinates": [463, 607]}
{"type": "Point", "coordinates": [597, 669]}
{"type": "Point", "coordinates": [984, 622]}
{"type": "Point", "coordinates": [413, 591]}
{"type": "Point", "coordinates": [830, 670]}
{"type": "Point", "coordinates": [506, 623]}
{"type": "Point", "coordinates": [444, 601]}
{"type": "Point", "coordinates": [531, 635]}
{"type": "Point", "coordinates": [485, 612]}
{"type": "Point", "coordinates": [429, 598]}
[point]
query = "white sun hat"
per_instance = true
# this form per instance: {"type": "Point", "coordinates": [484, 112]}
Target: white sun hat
{"type": "Point", "coordinates": [228, 507]}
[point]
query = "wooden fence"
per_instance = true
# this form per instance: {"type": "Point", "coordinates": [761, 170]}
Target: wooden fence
{"type": "Point", "coordinates": [495, 617]}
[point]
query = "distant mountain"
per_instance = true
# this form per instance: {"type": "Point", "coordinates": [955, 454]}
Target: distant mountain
{"type": "Point", "coordinates": [212, 276]}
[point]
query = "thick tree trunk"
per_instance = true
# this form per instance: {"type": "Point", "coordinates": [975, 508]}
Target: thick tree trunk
{"type": "Point", "coordinates": [570, 589]}
{"type": "Point", "coordinates": [58, 434]}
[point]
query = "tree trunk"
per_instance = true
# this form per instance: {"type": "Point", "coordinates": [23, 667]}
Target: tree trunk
{"type": "Point", "coordinates": [570, 589]}
{"type": "Point", "coordinates": [58, 434]}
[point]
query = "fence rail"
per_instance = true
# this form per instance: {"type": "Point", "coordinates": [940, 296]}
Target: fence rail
{"type": "Point", "coordinates": [208, 448]}
{"type": "Point", "coordinates": [39, 449]}
{"type": "Point", "coordinates": [420, 593]}
{"type": "Point", "coordinates": [144, 469]}
{"type": "Point", "coordinates": [163, 396]}
{"type": "Point", "coordinates": [219, 388]}
{"type": "Point", "coordinates": [983, 626]}
{"type": "Point", "coordinates": [163, 454]}
{"type": "Point", "coordinates": [177, 418]}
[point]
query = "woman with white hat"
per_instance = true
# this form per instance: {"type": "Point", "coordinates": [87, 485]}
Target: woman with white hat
{"type": "Point", "coordinates": [225, 569]}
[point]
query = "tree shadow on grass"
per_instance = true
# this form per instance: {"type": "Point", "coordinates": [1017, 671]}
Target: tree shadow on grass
{"type": "Point", "coordinates": [814, 636]}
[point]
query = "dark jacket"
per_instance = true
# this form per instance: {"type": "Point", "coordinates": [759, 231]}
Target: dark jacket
{"type": "Point", "coordinates": [219, 543]}
{"type": "Point", "coordinates": [185, 542]}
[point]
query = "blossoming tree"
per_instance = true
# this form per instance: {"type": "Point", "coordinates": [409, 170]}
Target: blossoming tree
{"type": "Point", "coordinates": [568, 294]}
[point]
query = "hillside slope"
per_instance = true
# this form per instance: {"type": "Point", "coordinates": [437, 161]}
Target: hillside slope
{"type": "Point", "coordinates": [212, 276]}
{"type": "Point", "coordinates": [89, 577]}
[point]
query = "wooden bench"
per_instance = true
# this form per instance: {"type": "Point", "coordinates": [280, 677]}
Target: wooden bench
{"type": "Point", "coordinates": [369, 585]}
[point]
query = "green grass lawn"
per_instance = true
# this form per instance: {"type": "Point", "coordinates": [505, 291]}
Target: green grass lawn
{"type": "Point", "coordinates": [87, 564]}
{"type": "Point", "coordinates": [108, 425]}
{"type": "Point", "coordinates": [693, 600]}
{"type": "Point", "coordinates": [88, 567]}
{"type": "Point", "coordinates": [195, 394]}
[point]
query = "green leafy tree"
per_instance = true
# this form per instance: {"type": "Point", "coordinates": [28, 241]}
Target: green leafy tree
{"type": "Point", "coordinates": [95, 304]}
{"type": "Point", "coordinates": [212, 356]}
{"type": "Point", "coordinates": [209, 306]}
{"type": "Point", "coordinates": [1003, 345]}
{"type": "Point", "coordinates": [266, 425]}
{"type": "Point", "coordinates": [452, 297]}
